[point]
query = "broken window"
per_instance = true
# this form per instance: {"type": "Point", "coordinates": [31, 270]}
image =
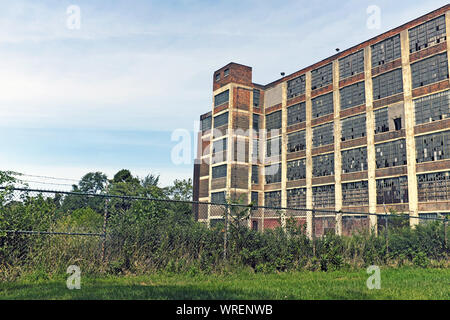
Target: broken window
{"type": "Point", "coordinates": [351, 64]}
{"type": "Point", "coordinates": [322, 76]}
{"type": "Point", "coordinates": [353, 127]}
{"type": "Point", "coordinates": [390, 154]}
{"type": "Point", "coordinates": [352, 95]}
{"type": "Point", "coordinates": [219, 171]}
{"type": "Point", "coordinates": [255, 199]}
{"type": "Point", "coordinates": [296, 169]}
{"type": "Point", "coordinates": [273, 173]}
{"type": "Point", "coordinates": [256, 96]}
{"type": "Point", "coordinates": [386, 51]}
{"type": "Point", "coordinates": [218, 197]}
{"type": "Point", "coordinates": [219, 145]}
{"type": "Point", "coordinates": [296, 113]}
{"type": "Point", "coordinates": [392, 190]}
{"type": "Point", "coordinates": [354, 160]}
{"type": "Point", "coordinates": [323, 165]}
{"type": "Point", "coordinates": [255, 174]}
{"type": "Point", "coordinates": [387, 84]}
{"type": "Point", "coordinates": [255, 150]}
{"type": "Point", "coordinates": [206, 123]}
{"type": "Point", "coordinates": [323, 134]}
{"type": "Point", "coordinates": [429, 70]}
{"type": "Point", "coordinates": [221, 120]}
{"type": "Point", "coordinates": [433, 147]}
{"type": "Point", "coordinates": [427, 34]}
{"type": "Point", "coordinates": [355, 193]}
{"type": "Point", "coordinates": [273, 147]}
{"type": "Point", "coordinates": [221, 98]}
{"type": "Point", "coordinates": [322, 105]}
{"type": "Point", "coordinates": [296, 86]}
{"type": "Point", "coordinates": [434, 186]}
{"type": "Point", "coordinates": [323, 196]}
{"type": "Point", "coordinates": [381, 120]}
{"type": "Point", "coordinates": [433, 107]}
{"type": "Point", "coordinates": [255, 121]}
{"type": "Point", "coordinates": [273, 120]}
{"type": "Point", "coordinates": [296, 141]}
{"type": "Point", "coordinates": [272, 199]}
{"type": "Point", "coordinates": [296, 198]}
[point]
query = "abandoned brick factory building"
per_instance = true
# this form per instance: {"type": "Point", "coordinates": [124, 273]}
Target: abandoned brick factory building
{"type": "Point", "coordinates": [365, 130]}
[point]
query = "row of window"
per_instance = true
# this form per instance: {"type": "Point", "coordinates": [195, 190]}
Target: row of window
{"type": "Point", "coordinates": [430, 108]}
{"type": "Point", "coordinates": [431, 187]}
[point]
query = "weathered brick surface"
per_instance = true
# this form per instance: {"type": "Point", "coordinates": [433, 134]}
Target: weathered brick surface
{"type": "Point", "coordinates": [328, 88]}
{"type": "Point", "coordinates": [239, 176]}
{"type": "Point", "coordinates": [322, 149]}
{"type": "Point", "coordinates": [296, 127]}
{"type": "Point", "coordinates": [322, 120]}
{"type": "Point", "coordinates": [241, 98]}
{"type": "Point", "coordinates": [358, 142]}
{"type": "Point", "coordinates": [388, 100]}
{"type": "Point", "coordinates": [322, 180]}
{"type": "Point", "coordinates": [296, 155]}
{"type": "Point", "coordinates": [218, 183]}
{"type": "Point", "coordinates": [432, 126]}
{"type": "Point", "coordinates": [298, 99]}
{"type": "Point", "coordinates": [351, 80]}
{"type": "Point", "coordinates": [204, 188]}
{"type": "Point", "coordinates": [220, 108]}
{"type": "Point", "coordinates": [272, 186]}
{"type": "Point", "coordinates": [385, 136]}
{"type": "Point", "coordinates": [352, 111]}
{"type": "Point", "coordinates": [393, 171]}
{"type": "Point", "coordinates": [441, 47]}
{"type": "Point", "coordinates": [433, 166]}
{"type": "Point", "coordinates": [438, 86]}
{"type": "Point", "coordinates": [434, 206]}
{"type": "Point", "coordinates": [238, 74]}
{"type": "Point", "coordinates": [352, 176]}
{"type": "Point", "coordinates": [273, 108]}
{"type": "Point", "coordinates": [399, 208]}
{"type": "Point", "coordinates": [296, 183]}
{"type": "Point", "coordinates": [386, 67]}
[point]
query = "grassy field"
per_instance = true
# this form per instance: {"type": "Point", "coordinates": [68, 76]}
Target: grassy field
{"type": "Point", "coordinates": [403, 283]}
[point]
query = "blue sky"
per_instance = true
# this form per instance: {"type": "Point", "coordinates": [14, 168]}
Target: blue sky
{"type": "Point", "coordinates": [109, 95]}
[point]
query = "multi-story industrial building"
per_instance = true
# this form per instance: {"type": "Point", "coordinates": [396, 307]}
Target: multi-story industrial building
{"type": "Point", "coordinates": [365, 130]}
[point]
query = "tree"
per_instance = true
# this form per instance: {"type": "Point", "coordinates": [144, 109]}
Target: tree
{"type": "Point", "coordinates": [180, 190]}
{"type": "Point", "coordinates": [93, 182]}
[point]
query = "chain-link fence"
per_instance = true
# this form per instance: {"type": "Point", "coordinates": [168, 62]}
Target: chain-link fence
{"type": "Point", "coordinates": [37, 224]}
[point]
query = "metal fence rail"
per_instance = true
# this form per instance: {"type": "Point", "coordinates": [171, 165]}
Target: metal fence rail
{"type": "Point", "coordinates": [98, 215]}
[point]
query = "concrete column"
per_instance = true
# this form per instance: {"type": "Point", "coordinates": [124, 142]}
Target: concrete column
{"type": "Point", "coordinates": [230, 139]}
{"type": "Point", "coordinates": [283, 152]}
{"type": "Point", "coordinates": [250, 152]}
{"type": "Point", "coordinates": [337, 148]}
{"type": "Point", "coordinates": [409, 128]}
{"type": "Point", "coordinates": [309, 196]}
{"type": "Point", "coordinates": [370, 125]}
{"type": "Point", "coordinates": [447, 31]}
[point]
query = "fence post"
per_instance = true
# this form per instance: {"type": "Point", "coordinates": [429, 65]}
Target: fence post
{"type": "Point", "coordinates": [387, 234]}
{"type": "Point", "coordinates": [105, 222]}
{"type": "Point", "coordinates": [313, 230]}
{"type": "Point", "coordinates": [445, 232]}
{"type": "Point", "coordinates": [225, 236]}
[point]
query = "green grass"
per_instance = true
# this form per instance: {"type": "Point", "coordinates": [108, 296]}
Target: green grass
{"type": "Point", "coordinates": [403, 283]}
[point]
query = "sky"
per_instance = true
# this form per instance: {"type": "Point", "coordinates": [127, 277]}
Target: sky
{"type": "Point", "coordinates": [108, 93]}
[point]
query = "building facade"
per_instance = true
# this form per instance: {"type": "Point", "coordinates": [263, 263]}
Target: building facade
{"type": "Point", "coordinates": [365, 130]}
